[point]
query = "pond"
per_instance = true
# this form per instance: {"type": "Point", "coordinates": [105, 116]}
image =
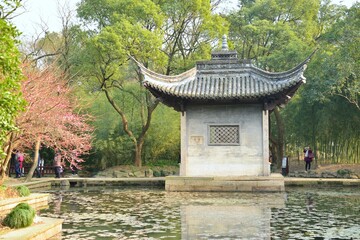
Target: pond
{"type": "Point", "coordinates": [147, 213]}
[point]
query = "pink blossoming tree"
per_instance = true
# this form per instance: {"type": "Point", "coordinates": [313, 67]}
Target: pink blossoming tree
{"type": "Point", "coordinates": [50, 118]}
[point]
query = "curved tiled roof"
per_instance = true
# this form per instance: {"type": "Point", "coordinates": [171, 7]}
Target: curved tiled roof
{"type": "Point", "coordinates": [224, 78]}
{"type": "Point", "coordinates": [248, 82]}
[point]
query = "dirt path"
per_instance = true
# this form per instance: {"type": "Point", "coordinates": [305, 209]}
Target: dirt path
{"type": "Point", "coordinates": [300, 166]}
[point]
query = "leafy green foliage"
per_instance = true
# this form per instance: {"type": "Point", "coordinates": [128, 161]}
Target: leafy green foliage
{"type": "Point", "coordinates": [11, 101]}
{"type": "Point", "coordinates": [110, 146]}
{"type": "Point", "coordinates": [113, 147]}
{"type": "Point", "coordinates": [107, 12]}
{"type": "Point", "coordinates": [344, 172]}
{"type": "Point", "coordinates": [189, 32]}
{"type": "Point", "coordinates": [325, 114]}
{"type": "Point", "coordinates": [340, 57]}
{"type": "Point", "coordinates": [23, 191]}
{"type": "Point", "coordinates": [162, 145]}
{"type": "Point", "coordinates": [277, 34]}
{"type": "Point", "coordinates": [21, 216]}
{"type": "Point", "coordinates": [156, 33]}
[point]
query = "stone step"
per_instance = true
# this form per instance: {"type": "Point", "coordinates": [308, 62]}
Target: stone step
{"type": "Point", "coordinates": [45, 229]}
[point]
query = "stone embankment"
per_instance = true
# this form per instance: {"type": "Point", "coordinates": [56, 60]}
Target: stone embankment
{"type": "Point", "coordinates": [347, 171]}
{"type": "Point", "coordinates": [137, 172]}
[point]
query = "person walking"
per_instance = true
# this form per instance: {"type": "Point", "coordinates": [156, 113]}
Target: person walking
{"type": "Point", "coordinates": [39, 166]}
{"type": "Point", "coordinates": [17, 164]}
{"type": "Point", "coordinates": [21, 163]}
{"type": "Point", "coordinates": [285, 166]}
{"type": "Point", "coordinates": [308, 157]}
{"type": "Point", "coordinates": [74, 169]}
{"type": "Point", "coordinates": [57, 165]}
{"type": "Point", "coordinates": [12, 162]}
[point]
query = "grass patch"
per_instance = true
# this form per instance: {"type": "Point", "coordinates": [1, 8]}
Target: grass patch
{"type": "Point", "coordinates": [21, 216]}
{"type": "Point", "coordinates": [23, 191]}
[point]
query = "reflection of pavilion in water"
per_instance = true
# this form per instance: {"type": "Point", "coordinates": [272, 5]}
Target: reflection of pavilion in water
{"type": "Point", "coordinates": [222, 218]}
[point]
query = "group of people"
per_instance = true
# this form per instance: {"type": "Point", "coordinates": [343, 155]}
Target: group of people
{"type": "Point", "coordinates": [17, 160]}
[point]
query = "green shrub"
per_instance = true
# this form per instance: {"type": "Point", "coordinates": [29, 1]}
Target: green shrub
{"type": "Point", "coordinates": [21, 216]}
{"type": "Point", "coordinates": [343, 172]}
{"type": "Point", "coordinates": [23, 191]}
{"type": "Point", "coordinates": [163, 162]}
{"type": "Point", "coordinates": [156, 173]}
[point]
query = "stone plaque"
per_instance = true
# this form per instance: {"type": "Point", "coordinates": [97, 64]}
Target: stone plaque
{"type": "Point", "coordinates": [196, 140]}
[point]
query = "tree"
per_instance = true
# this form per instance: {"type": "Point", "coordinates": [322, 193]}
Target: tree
{"type": "Point", "coordinates": [278, 35]}
{"type": "Point", "coordinates": [11, 101]}
{"type": "Point", "coordinates": [145, 30]}
{"type": "Point", "coordinates": [124, 28]}
{"type": "Point", "coordinates": [112, 147]}
{"type": "Point", "coordinates": [341, 57]}
{"type": "Point", "coordinates": [326, 110]}
{"type": "Point", "coordinates": [50, 47]}
{"type": "Point", "coordinates": [163, 141]}
{"type": "Point", "coordinates": [49, 118]}
{"type": "Point", "coordinates": [190, 30]}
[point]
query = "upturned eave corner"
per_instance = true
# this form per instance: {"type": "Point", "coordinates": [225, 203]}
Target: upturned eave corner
{"type": "Point", "coordinates": [154, 78]}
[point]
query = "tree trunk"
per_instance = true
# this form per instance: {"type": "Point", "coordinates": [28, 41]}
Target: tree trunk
{"type": "Point", "coordinates": [313, 132]}
{"type": "Point", "coordinates": [35, 162]}
{"type": "Point", "coordinates": [5, 163]}
{"type": "Point", "coordinates": [138, 151]}
{"type": "Point", "coordinates": [280, 137]}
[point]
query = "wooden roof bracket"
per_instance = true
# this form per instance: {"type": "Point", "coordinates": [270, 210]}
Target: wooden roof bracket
{"type": "Point", "coordinates": [269, 104]}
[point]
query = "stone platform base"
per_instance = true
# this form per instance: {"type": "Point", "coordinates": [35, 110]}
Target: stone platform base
{"type": "Point", "coordinates": [272, 183]}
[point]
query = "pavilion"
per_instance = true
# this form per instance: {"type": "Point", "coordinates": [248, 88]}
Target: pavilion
{"type": "Point", "coordinates": [224, 105]}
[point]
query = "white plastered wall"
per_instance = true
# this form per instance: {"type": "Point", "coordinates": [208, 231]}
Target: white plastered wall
{"type": "Point", "coordinates": [248, 158]}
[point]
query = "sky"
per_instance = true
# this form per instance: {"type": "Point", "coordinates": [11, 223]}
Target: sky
{"type": "Point", "coordinates": [36, 14]}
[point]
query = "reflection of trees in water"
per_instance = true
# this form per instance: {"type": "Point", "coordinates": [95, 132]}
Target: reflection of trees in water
{"type": "Point", "coordinates": [317, 213]}
{"type": "Point", "coordinates": [338, 203]}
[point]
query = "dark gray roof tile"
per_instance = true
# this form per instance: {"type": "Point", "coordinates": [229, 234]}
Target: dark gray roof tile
{"type": "Point", "coordinates": [224, 78]}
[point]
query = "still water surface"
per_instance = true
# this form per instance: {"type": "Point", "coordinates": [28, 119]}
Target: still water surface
{"type": "Point", "coordinates": [145, 213]}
